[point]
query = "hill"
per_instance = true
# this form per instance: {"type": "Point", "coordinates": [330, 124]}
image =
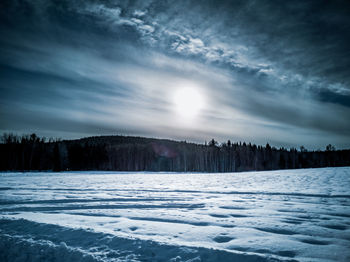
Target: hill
{"type": "Point", "coordinates": [129, 153]}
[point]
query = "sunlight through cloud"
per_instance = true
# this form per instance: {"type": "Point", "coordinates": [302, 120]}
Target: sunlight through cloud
{"type": "Point", "coordinates": [188, 102]}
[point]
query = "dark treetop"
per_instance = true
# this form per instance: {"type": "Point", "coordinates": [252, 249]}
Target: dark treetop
{"type": "Point", "coordinates": [126, 153]}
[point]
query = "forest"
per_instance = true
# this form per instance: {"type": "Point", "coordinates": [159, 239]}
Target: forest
{"type": "Point", "coordinates": [129, 153]}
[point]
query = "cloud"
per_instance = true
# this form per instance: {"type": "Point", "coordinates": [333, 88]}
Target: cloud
{"type": "Point", "coordinates": [139, 13]}
{"type": "Point", "coordinates": [266, 74]}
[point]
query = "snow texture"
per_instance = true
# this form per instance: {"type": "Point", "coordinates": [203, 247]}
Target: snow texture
{"type": "Point", "coordinates": [290, 215]}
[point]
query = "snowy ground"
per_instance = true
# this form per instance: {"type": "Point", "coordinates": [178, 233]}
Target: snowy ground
{"type": "Point", "coordinates": [291, 215]}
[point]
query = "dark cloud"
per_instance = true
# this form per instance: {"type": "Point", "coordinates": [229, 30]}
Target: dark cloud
{"type": "Point", "coordinates": [270, 71]}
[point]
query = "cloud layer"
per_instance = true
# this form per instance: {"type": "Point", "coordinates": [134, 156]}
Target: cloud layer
{"type": "Point", "coordinates": [269, 72]}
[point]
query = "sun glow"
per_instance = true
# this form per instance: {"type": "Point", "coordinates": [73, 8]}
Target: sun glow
{"type": "Point", "coordinates": [188, 102]}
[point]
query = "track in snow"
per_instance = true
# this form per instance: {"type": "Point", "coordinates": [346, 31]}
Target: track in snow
{"type": "Point", "coordinates": [301, 215]}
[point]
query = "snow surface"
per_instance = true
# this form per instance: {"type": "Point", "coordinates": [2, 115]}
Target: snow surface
{"type": "Point", "coordinates": [290, 215]}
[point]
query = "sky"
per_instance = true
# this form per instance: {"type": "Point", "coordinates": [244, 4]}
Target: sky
{"type": "Point", "coordinates": [254, 71]}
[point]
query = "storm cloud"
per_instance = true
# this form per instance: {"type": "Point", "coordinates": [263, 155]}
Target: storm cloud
{"type": "Point", "coordinates": [269, 71]}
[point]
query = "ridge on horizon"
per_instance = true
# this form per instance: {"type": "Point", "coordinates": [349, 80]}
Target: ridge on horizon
{"type": "Point", "coordinates": [328, 147]}
{"type": "Point", "coordinates": [131, 153]}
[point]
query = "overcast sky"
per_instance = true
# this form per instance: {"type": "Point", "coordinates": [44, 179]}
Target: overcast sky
{"type": "Point", "coordinates": [267, 71]}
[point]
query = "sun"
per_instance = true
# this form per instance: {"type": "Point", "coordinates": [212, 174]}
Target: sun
{"type": "Point", "coordinates": [188, 102]}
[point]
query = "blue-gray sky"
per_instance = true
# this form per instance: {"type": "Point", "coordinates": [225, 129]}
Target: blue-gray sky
{"type": "Point", "coordinates": [268, 71]}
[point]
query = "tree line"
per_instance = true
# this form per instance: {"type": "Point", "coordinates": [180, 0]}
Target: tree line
{"type": "Point", "coordinates": [127, 153]}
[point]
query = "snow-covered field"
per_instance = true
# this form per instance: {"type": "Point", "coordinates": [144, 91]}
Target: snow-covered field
{"type": "Point", "coordinates": [290, 215]}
